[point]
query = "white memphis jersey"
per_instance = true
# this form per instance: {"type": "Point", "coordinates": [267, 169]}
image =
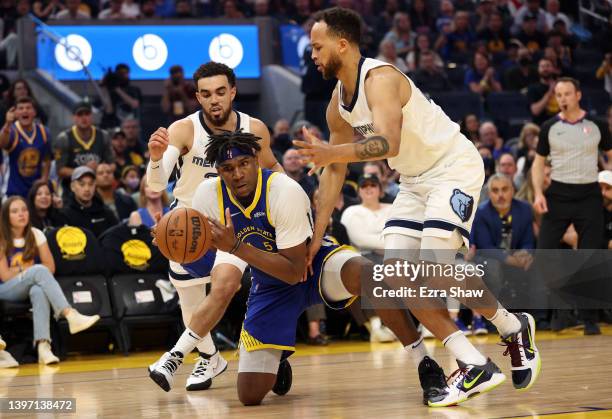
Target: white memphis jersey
{"type": "Point", "coordinates": [427, 132]}
{"type": "Point", "coordinates": [192, 168]}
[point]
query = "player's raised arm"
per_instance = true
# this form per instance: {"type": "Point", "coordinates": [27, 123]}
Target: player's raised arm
{"type": "Point", "coordinates": [265, 156]}
{"type": "Point", "coordinates": [382, 90]}
{"type": "Point", "coordinates": [165, 147]}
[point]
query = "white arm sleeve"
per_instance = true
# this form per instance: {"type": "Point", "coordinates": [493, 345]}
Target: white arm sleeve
{"type": "Point", "coordinates": [159, 172]}
{"type": "Point", "coordinates": [290, 212]}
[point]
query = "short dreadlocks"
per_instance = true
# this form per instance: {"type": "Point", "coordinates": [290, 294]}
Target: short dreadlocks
{"type": "Point", "coordinates": [218, 144]}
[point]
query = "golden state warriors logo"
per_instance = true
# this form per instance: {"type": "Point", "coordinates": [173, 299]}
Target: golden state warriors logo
{"type": "Point", "coordinates": [17, 261]}
{"type": "Point", "coordinates": [27, 162]}
{"type": "Point", "coordinates": [136, 254]}
{"type": "Point", "coordinates": [72, 242]}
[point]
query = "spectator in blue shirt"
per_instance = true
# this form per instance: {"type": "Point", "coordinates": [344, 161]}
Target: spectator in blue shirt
{"type": "Point", "coordinates": [481, 78]}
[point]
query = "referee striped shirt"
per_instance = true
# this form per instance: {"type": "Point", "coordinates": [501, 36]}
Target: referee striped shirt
{"type": "Point", "coordinates": [573, 148]}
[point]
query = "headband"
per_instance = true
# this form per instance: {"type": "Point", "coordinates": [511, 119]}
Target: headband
{"type": "Point", "coordinates": [232, 153]}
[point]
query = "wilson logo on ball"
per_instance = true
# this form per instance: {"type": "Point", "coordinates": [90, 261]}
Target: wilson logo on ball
{"type": "Point", "coordinates": [195, 234]}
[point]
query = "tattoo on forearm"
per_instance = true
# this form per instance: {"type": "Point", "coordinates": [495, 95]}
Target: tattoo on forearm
{"type": "Point", "coordinates": [376, 146]}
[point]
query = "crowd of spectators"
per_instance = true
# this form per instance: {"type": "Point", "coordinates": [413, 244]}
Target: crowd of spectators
{"type": "Point", "coordinates": [92, 176]}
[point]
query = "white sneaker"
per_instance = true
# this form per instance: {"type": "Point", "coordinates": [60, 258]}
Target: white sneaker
{"type": "Point", "coordinates": [382, 334]}
{"type": "Point", "coordinates": [45, 356]}
{"type": "Point", "coordinates": [470, 381]}
{"type": "Point", "coordinates": [7, 360]}
{"type": "Point", "coordinates": [162, 371]}
{"type": "Point", "coordinates": [78, 322]}
{"type": "Point", "coordinates": [2, 344]}
{"type": "Point", "coordinates": [204, 370]}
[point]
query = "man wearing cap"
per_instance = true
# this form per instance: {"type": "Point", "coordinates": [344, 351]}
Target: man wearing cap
{"type": "Point", "coordinates": [533, 10]}
{"type": "Point", "coordinates": [85, 209]}
{"type": "Point", "coordinates": [83, 144]}
{"type": "Point", "coordinates": [605, 183]}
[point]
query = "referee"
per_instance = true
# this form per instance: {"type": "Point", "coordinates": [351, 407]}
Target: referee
{"type": "Point", "coordinates": [572, 141]}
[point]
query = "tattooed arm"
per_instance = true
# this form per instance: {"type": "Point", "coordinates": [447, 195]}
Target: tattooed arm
{"type": "Point", "coordinates": [382, 88]}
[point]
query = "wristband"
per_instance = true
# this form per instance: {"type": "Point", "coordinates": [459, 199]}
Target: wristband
{"type": "Point", "coordinates": [236, 246]}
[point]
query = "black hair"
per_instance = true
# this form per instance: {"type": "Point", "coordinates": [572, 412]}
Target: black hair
{"type": "Point", "coordinates": [218, 144]}
{"type": "Point", "coordinates": [211, 69]}
{"type": "Point", "coordinates": [122, 66]}
{"type": "Point", "coordinates": [343, 23]}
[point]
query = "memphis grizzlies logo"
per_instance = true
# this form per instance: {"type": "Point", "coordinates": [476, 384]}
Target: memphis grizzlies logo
{"type": "Point", "coordinates": [462, 204]}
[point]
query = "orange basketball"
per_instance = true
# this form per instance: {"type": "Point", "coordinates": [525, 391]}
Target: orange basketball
{"type": "Point", "coordinates": [183, 235]}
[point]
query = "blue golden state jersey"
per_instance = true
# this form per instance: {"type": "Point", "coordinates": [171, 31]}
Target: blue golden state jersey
{"type": "Point", "coordinates": [27, 151]}
{"type": "Point", "coordinates": [274, 306]}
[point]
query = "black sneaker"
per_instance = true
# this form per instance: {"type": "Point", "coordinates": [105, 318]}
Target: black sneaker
{"type": "Point", "coordinates": [524, 356]}
{"type": "Point", "coordinates": [591, 328]}
{"type": "Point", "coordinates": [432, 378]}
{"type": "Point", "coordinates": [284, 378]}
{"type": "Point", "coordinates": [469, 381]}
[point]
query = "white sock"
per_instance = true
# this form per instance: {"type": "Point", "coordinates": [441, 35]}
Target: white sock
{"type": "Point", "coordinates": [463, 350]}
{"type": "Point", "coordinates": [187, 342]}
{"type": "Point", "coordinates": [375, 322]}
{"type": "Point", "coordinates": [207, 346]}
{"type": "Point", "coordinates": [506, 323]}
{"type": "Point", "coordinates": [417, 351]}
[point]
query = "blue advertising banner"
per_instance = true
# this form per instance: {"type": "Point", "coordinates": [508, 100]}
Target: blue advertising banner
{"type": "Point", "coordinates": [149, 50]}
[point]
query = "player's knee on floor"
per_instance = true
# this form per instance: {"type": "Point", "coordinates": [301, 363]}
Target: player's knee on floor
{"type": "Point", "coordinates": [253, 387]}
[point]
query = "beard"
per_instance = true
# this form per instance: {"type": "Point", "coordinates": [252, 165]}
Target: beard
{"type": "Point", "coordinates": [218, 120]}
{"type": "Point", "coordinates": [330, 71]}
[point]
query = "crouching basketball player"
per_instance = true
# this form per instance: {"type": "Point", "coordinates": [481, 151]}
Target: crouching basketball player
{"type": "Point", "coordinates": [264, 219]}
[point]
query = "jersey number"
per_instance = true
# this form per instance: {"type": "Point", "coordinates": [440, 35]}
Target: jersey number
{"type": "Point", "coordinates": [268, 246]}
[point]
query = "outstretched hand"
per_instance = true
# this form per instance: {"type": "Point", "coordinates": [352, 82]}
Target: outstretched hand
{"type": "Point", "coordinates": [157, 216]}
{"type": "Point", "coordinates": [312, 150]}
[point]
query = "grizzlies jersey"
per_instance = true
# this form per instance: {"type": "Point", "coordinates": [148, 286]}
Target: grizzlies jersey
{"type": "Point", "coordinates": [192, 168]}
{"type": "Point", "coordinates": [427, 133]}
{"type": "Point", "coordinates": [27, 151]}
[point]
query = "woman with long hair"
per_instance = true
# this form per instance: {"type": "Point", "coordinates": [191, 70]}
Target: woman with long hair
{"type": "Point", "coordinates": [528, 142]}
{"type": "Point", "coordinates": [470, 126]}
{"type": "Point", "coordinates": [150, 203]}
{"type": "Point", "coordinates": [422, 44]}
{"type": "Point", "coordinates": [26, 271]}
{"type": "Point", "coordinates": [44, 206]}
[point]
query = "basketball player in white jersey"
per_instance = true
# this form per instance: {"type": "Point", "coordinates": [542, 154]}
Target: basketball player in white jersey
{"type": "Point", "coordinates": [441, 177]}
{"type": "Point", "coordinates": [182, 146]}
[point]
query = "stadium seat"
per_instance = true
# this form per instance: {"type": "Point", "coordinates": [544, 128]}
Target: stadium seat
{"type": "Point", "coordinates": [509, 110]}
{"type": "Point", "coordinates": [89, 295]}
{"type": "Point", "coordinates": [456, 75]}
{"type": "Point", "coordinates": [458, 104]}
{"type": "Point", "coordinates": [596, 101]}
{"type": "Point", "coordinates": [76, 251]}
{"type": "Point", "coordinates": [138, 301]}
{"type": "Point", "coordinates": [129, 249]}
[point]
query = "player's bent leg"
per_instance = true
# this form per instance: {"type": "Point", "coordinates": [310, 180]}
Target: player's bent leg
{"type": "Point", "coordinates": [433, 314]}
{"type": "Point", "coordinates": [225, 282]}
{"type": "Point", "coordinates": [342, 278]}
{"type": "Point", "coordinates": [517, 330]}
{"type": "Point", "coordinates": [257, 374]}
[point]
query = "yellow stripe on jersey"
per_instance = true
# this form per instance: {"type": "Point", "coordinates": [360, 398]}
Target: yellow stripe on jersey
{"type": "Point", "coordinates": [220, 201]}
{"type": "Point", "coordinates": [354, 297]}
{"type": "Point", "coordinates": [268, 198]}
{"type": "Point", "coordinates": [247, 211]}
{"type": "Point", "coordinates": [252, 344]}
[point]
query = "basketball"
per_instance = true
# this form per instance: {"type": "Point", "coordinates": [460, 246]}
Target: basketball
{"type": "Point", "coordinates": [183, 235]}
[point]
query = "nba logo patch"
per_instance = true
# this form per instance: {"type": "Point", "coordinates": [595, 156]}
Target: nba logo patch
{"type": "Point", "coordinates": [462, 204]}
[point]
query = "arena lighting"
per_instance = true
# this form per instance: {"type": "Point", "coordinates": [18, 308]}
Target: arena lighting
{"type": "Point", "coordinates": [149, 50]}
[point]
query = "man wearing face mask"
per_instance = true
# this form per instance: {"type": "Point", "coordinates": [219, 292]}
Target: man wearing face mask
{"type": "Point", "coordinates": [522, 75]}
{"type": "Point", "coordinates": [541, 95]}
{"type": "Point", "coordinates": [178, 99]}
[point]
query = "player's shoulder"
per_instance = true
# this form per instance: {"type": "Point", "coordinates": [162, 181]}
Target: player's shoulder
{"type": "Point", "coordinates": [257, 126]}
{"type": "Point", "coordinates": [283, 184]}
{"type": "Point", "coordinates": [207, 186]}
{"type": "Point", "coordinates": [182, 127]}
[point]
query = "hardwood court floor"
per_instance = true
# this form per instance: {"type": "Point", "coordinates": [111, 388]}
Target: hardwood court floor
{"type": "Point", "coordinates": [344, 380]}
